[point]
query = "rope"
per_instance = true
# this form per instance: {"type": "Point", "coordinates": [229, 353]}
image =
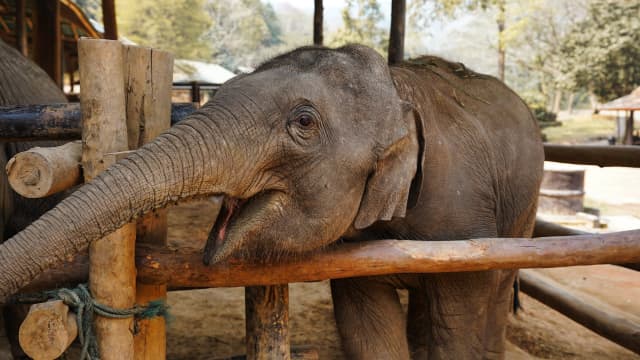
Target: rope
{"type": "Point", "coordinates": [85, 307]}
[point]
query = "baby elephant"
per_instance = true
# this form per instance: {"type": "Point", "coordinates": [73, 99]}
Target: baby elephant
{"type": "Point", "coordinates": [322, 144]}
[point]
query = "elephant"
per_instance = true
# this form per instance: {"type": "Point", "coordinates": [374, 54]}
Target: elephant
{"type": "Point", "coordinates": [321, 145]}
{"type": "Point", "coordinates": [22, 82]}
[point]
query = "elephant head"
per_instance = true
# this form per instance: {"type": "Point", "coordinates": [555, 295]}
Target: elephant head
{"type": "Point", "coordinates": [312, 144]}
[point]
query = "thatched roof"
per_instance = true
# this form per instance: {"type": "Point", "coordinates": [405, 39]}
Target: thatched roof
{"type": "Point", "coordinates": [626, 103]}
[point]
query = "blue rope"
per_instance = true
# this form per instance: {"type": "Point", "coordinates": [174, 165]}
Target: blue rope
{"type": "Point", "coordinates": [85, 307]}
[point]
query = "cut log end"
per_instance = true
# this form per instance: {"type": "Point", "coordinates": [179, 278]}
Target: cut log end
{"type": "Point", "coordinates": [48, 330]}
{"type": "Point", "coordinates": [41, 172]}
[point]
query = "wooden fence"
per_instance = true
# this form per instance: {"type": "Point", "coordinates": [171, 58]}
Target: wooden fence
{"type": "Point", "coordinates": [159, 268]}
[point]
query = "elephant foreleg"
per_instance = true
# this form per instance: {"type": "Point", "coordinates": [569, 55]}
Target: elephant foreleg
{"type": "Point", "coordinates": [370, 319]}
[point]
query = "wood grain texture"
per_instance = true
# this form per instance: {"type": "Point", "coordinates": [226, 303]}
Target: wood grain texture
{"type": "Point", "coordinates": [48, 330]}
{"type": "Point", "coordinates": [112, 270]}
{"type": "Point", "coordinates": [183, 268]}
{"type": "Point", "coordinates": [40, 172]}
{"type": "Point", "coordinates": [267, 322]}
{"type": "Point", "coordinates": [148, 87]}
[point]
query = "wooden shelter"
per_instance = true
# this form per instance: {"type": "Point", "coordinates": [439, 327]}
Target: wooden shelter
{"type": "Point", "coordinates": [47, 32]}
{"type": "Point", "coordinates": [628, 104]}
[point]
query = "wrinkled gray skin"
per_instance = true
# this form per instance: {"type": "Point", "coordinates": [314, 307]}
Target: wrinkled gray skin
{"type": "Point", "coordinates": [329, 144]}
{"type": "Point", "coordinates": [22, 82]}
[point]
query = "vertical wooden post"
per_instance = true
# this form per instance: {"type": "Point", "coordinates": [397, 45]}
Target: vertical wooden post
{"type": "Point", "coordinates": [109, 19]}
{"type": "Point", "coordinates": [112, 273]}
{"type": "Point", "coordinates": [627, 138]}
{"type": "Point", "coordinates": [148, 75]}
{"type": "Point", "coordinates": [317, 23]}
{"type": "Point", "coordinates": [267, 322]}
{"type": "Point", "coordinates": [396, 32]}
{"type": "Point", "coordinates": [21, 28]}
{"type": "Point", "coordinates": [48, 39]}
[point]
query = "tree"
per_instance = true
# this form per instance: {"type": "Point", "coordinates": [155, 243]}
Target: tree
{"type": "Point", "coordinates": [177, 26]}
{"type": "Point", "coordinates": [601, 52]}
{"type": "Point", "coordinates": [242, 33]}
{"type": "Point", "coordinates": [363, 28]}
{"type": "Point", "coordinates": [92, 8]}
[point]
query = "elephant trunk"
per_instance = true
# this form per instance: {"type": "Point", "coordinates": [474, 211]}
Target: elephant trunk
{"type": "Point", "coordinates": [186, 161]}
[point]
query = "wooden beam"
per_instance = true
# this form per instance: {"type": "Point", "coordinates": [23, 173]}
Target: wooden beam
{"type": "Point", "coordinates": [318, 23]}
{"type": "Point", "coordinates": [40, 172]}
{"type": "Point", "coordinates": [601, 155]}
{"type": "Point", "coordinates": [109, 20]}
{"type": "Point", "coordinates": [396, 32]}
{"type": "Point", "coordinates": [48, 330]}
{"type": "Point", "coordinates": [148, 92]}
{"type": "Point", "coordinates": [267, 322]}
{"type": "Point", "coordinates": [186, 270]}
{"type": "Point", "coordinates": [112, 272]}
{"type": "Point", "coordinates": [48, 39]}
{"type": "Point", "coordinates": [57, 121]}
{"type": "Point", "coordinates": [22, 42]}
{"type": "Point", "coordinates": [183, 268]}
{"type": "Point", "coordinates": [616, 328]}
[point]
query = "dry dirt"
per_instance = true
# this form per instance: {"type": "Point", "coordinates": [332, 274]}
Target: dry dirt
{"type": "Point", "coordinates": [209, 324]}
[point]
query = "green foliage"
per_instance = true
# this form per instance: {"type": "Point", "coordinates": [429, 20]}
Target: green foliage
{"type": "Point", "coordinates": [243, 33]}
{"type": "Point", "coordinates": [91, 8]}
{"type": "Point", "coordinates": [361, 24]}
{"type": "Point", "coordinates": [176, 26]}
{"type": "Point", "coordinates": [602, 51]}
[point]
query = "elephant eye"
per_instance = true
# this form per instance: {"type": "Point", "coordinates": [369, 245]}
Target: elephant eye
{"type": "Point", "coordinates": [305, 120]}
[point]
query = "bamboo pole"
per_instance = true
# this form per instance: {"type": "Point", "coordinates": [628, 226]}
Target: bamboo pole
{"type": "Point", "coordinates": [112, 271]}
{"type": "Point", "coordinates": [40, 172]}
{"type": "Point", "coordinates": [614, 327]}
{"type": "Point", "coordinates": [601, 155]}
{"type": "Point", "coordinates": [267, 322]}
{"type": "Point", "coordinates": [148, 86]}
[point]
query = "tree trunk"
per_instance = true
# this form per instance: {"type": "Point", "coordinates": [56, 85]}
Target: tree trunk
{"type": "Point", "coordinates": [572, 97]}
{"type": "Point", "coordinates": [557, 99]}
{"type": "Point", "coordinates": [502, 52]}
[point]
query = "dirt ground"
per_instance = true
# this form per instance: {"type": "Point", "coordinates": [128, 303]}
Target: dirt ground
{"type": "Point", "coordinates": [209, 324]}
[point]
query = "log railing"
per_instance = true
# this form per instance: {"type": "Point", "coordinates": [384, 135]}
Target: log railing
{"type": "Point", "coordinates": [180, 269]}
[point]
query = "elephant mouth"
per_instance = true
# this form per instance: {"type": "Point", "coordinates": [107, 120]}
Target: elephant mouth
{"type": "Point", "coordinates": [235, 213]}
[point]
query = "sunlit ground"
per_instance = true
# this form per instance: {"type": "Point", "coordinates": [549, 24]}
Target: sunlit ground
{"type": "Point", "coordinates": [581, 128]}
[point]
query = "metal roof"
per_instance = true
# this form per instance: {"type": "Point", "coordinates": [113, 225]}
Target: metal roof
{"type": "Point", "coordinates": [627, 103]}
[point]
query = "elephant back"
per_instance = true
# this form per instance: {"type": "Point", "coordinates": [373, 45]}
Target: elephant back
{"type": "Point", "coordinates": [22, 82]}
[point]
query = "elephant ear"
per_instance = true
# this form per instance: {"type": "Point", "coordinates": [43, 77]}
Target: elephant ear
{"type": "Point", "coordinates": [395, 182]}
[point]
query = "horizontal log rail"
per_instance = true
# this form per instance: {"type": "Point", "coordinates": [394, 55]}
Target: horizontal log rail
{"type": "Point", "coordinates": [601, 155]}
{"type": "Point", "coordinates": [616, 328]}
{"type": "Point", "coordinates": [56, 121]}
{"type": "Point", "coordinates": [183, 268]}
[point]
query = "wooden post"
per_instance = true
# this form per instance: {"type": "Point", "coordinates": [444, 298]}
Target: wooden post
{"type": "Point", "coordinates": [21, 28]}
{"type": "Point", "coordinates": [616, 328]}
{"type": "Point", "coordinates": [148, 87]}
{"type": "Point", "coordinates": [109, 20]}
{"type": "Point", "coordinates": [40, 172]}
{"type": "Point", "coordinates": [48, 330]}
{"type": "Point", "coordinates": [628, 130]}
{"type": "Point", "coordinates": [112, 271]}
{"type": "Point", "coordinates": [267, 322]}
{"type": "Point", "coordinates": [48, 39]}
{"type": "Point", "coordinates": [396, 33]}
{"type": "Point", "coordinates": [317, 23]}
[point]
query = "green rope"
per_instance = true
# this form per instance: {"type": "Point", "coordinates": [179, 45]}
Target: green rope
{"type": "Point", "coordinates": [85, 307]}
